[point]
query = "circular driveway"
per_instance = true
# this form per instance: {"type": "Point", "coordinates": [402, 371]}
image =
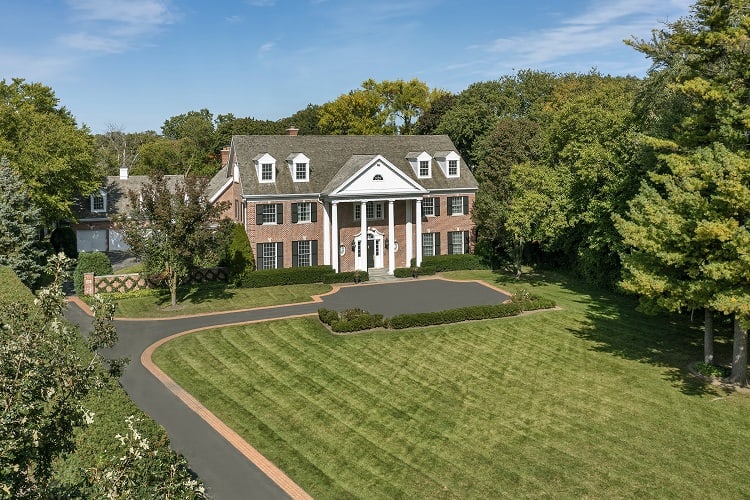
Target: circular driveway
{"type": "Point", "coordinates": [226, 472]}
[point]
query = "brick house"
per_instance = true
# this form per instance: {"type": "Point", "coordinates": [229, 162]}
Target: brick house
{"type": "Point", "coordinates": [94, 231]}
{"type": "Point", "coordinates": [302, 199]}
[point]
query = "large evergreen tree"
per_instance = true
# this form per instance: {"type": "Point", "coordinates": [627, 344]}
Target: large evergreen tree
{"type": "Point", "coordinates": [19, 227]}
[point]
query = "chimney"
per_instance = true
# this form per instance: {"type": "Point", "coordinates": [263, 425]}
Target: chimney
{"type": "Point", "coordinates": [123, 173]}
{"type": "Point", "coordinates": [292, 131]}
{"type": "Point", "coordinates": [224, 156]}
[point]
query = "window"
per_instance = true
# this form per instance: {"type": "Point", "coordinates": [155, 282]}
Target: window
{"type": "Point", "coordinates": [452, 168]}
{"type": "Point", "coordinates": [304, 212]}
{"type": "Point", "coordinates": [269, 214]}
{"type": "Point", "coordinates": [424, 168]}
{"type": "Point", "coordinates": [458, 205]}
{"type": "Point", "coordinates": [374, 210]}
{"type": "Point", "coordinates": [266, 172]}
{"type": "Point", "coordinates": [304, 253]}
{"type": "Point", "coordinates": [270, 255]}
{"type": "Point", "coordinates": [430, 207]}
{"type": "Point", "coordinates": [99, 201]}
{"type": "Point", "coordinates": [458, 242]}
{"type": "Point", "coordinates": [430, 244]}
{"type": "Point", "coordinates": [377, 177]}
{"type": "Point", "coordinates": [300, 171]}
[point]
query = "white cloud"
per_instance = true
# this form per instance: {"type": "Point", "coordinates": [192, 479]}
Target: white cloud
{"type": "Point", "coordinates": [233, 19]}
{"type": "Point", "coordinates": [111, 26]}
{"type": "Point", "coordinates": [266, 47]}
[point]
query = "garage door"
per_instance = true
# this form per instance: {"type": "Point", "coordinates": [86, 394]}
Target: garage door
{"type": "Point", "coordinates": [116, 243]}
{"type": "Point", "coordinates": [92, 240]}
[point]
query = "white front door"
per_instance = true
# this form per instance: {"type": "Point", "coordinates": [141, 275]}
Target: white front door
{"type": "Point", "coordinates": [369, 252]}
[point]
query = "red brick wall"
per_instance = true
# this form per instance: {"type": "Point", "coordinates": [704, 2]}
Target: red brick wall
{"type": "Point", "coordinates": [349, 228]}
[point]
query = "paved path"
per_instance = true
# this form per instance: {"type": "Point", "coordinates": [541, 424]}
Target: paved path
{"type": "Point", "coordinates": [226, 472]}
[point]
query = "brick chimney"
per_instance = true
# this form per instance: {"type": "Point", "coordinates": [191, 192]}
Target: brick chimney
{"type": "Point", "coordinates": [224, 156]}
{"type": "Point", "coordinates": [292, 131]}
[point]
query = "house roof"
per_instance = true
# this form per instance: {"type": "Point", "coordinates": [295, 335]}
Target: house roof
{"type": "Point", "coordinates": [333, 159]}
{"type": "Point", "coordinates": [118, 199]}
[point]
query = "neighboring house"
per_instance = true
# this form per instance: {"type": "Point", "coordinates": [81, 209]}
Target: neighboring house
{"type": "Point", "coordinates": [94, 231]}
{"type": "Point", "coordinates": [354, 202]}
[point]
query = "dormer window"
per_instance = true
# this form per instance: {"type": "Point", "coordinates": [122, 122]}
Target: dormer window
{"type": "Point", "coordinates": [450, 163]}
{"type": "Point", "coordinates": [99, 201]}
{"type": "Point", "coordinates": [265, 166]}
{"type": "Point", "coordinates": [299, 167]}
{"type": "Point", "coordinates": [421, 163]}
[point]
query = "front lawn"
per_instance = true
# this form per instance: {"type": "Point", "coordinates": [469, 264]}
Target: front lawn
{"type": "Point", "coordinates": [589, 401]}
{"type": "Point", "coordinates": [211, 298]}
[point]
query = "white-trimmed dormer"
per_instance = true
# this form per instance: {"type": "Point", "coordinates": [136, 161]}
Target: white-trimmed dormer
{"type": "Point", "coordinates": [450, 163]}
{"type": "Point", "coordinates": [99, 201]}
{"type": "Point", "coordinates": [421, 163]}
{"type": "Point", "coordinates": [299, 167]}
{"type": "Point", "coordinates": [265, 168]}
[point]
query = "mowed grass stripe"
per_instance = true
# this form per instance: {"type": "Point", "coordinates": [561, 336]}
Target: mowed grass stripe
{"type": "Point", "coordinates": [587, 401]}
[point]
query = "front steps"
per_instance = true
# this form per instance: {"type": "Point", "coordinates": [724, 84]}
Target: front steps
{"type": "Point", "coordinates": [379, 275]}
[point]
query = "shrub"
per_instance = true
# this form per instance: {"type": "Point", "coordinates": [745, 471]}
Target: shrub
{"type": "Point", "coordinates": [345, 277]}
{"type": "Point", "coordinates": [401, 321]}
{"type": "Point", "coordinates": [711, 370]}
{"type": "Point", "coordinates": [63, 239]}
{"type": "Point", "coordinates": [408, 272]}
{"type": "Point", "coordinates": [457, 262]}
{"type": "Point", "coordinates": [239, 254]}
{"type": "Point", "coordinates": [286, 276]}
{"type": "Point", "coordinates": [361, 321]}
{"type": "Point", "coordinates": [529, 302]}
{"type": "Point", "coordinates": [327, 316]}
{"type": "Point", "coordinates": [90, 262]}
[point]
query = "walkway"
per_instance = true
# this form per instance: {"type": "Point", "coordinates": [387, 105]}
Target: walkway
{"type": "Point", "coordinates": [226, 473]}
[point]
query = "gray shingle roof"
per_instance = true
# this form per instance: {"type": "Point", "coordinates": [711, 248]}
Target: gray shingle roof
{"type": "Point", "coordinates": [334, 158]}
{"type": "Point", "coordinates": [118, 199]}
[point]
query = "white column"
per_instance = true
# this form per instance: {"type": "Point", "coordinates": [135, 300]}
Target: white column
{"type": "Point", "coordinates": [362, 262]}
{"type": "Point", "coordinates": [335, 235]}
{"type": "Point", "coordinates": [391, 241]}
{"type": "Point", "coordinates": [409, 235]}
{"type": "Point", "coordinates": [326, 235]}
{"type": "Point", "coordinates": [418, 216]}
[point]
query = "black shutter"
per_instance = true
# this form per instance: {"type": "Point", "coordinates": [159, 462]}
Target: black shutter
{"type": "Point", "coordinates": [436, 204]}
{"type": "Point", "coordinates": [295, 253]}
{"type": "Point", "coordinates": [465, 200]}
{"type": "Point", "coordinates": [259, 214]}
{"type": "Point", "coordinates": [437, 243]}
{"type": "Point", "coordinates": [279, 255]}
{"type": "Point", "coordinates": [314, 252]}
{"type": "Point", "coordinates": [313, 212]}
{"type": "Point", "coordinates": [450, 242]}
{"type": "Point", "coordinates": [279, 213]}
{"type": "Point", "coordinates": [294, 213]}
{"type": "Point", "coordinates": [466, 241]}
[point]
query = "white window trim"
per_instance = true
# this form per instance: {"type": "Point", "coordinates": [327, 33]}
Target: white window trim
{"type": "Point", "coordinates": [269, 206]}
{"type": "Point", "coordinates": [308, 244]}
{"type": "Point", "coordinates": [309, 212]}
{"type": "Point", "coordinates": [415, 161]}
{"type": "Point", "coordinates": [430, 236]}
{"type": "Point", "coordinates": [265, 159]}
{"type": "Point", "coordinates": [428, 202]}
{"type": "Point", "coordinates": [295, 159]}
{"type": "Point", "coordinates": [103, 195]}
{"type": "Point", "coordinates": [263, 255]}
{"type": "Point", "coordinates": [460, 208]}
{"type": "Point", "coordinates": [444, 163]}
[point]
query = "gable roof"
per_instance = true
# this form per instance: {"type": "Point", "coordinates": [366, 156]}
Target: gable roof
{"type": "Point", "coordinates": [334, 159]}
{"type": "Point", "coordinates": [118, 199]}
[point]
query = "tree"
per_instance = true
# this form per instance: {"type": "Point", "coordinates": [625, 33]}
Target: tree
{"type": "Point", "coordinates": [355, 113]}
{"type": "Point", "coordinates": [19, 228]}
{"type": "Point", "coordinates": [428, 121]}
{"type": "Point", "coordinates": [170, 229]}
{"type": "Point", "coordinates": [706, 60]}
{"type": "Point", "coordinates": [52, 155]}
{"type": "Point", "coordinates": [43, 378]}
{"type": "Point", "coordinates": [689, 243]}
{"type": "Point", "coordinates": [118, 149]}
{"type": "Point", "coordinates": [402, 102]}
{"type": "Point", "coordinates": [239, 253]}
{"type": "Point", "coordinates": [306, 120]}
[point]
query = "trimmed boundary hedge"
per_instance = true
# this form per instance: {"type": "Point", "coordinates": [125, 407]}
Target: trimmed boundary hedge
{"type": "Point", "coordinates": [353, 320]}
{"type": "Point", "coordinates": [297, 276]}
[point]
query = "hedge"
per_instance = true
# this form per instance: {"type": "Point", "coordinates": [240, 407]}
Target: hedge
{"type": "Point", "coordinates": [408, 272]}
{"type": "Point", "coordinates": [356, 319]}
{"type": "Point", "coordinates": [346, 277]}
{"type": "Point", "coordinates": [285, 276]}
{"type": "Point", "coordinates": [456, 262]}
{"type": "Point", "coordinates": [90, 262]}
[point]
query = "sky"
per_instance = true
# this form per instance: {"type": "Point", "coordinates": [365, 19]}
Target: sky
{"type": "Point", "coordinates": [132, 64]}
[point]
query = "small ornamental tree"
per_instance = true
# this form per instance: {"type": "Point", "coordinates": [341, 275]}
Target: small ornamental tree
{"type": "Point", "coordinates": [170, 229]}
{"type": "Point", "coordinates": [19, 224]}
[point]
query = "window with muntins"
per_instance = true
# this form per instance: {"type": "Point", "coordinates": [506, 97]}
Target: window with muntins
{"type": "Point", "coordinates": [458, 205]}
{"type": "Point", "coordinates": [300, 171]}
{"type": "Point", "coordinates": [268, 214]}
{"type": "Point", "coordinates": [452, 168]}
{"type": "Point", "coordinates": [98, 202]}
{"type": "Point", "coordinates": [374, 210]}
{"type": "Point", "coordinates": [304, 253]}
{"type": "Point", "coordinates": [430, 244]}
{"type": "Point", "coordinates": [266, 172]}
{"type": "Point", "coordinates": [424, 168]}
{"type": "Point", "coordinates": [303, 212]}
{"type": "Point", "coordinates": [458, 242]}
{"type": "Point", "coordinates": [267, 258]}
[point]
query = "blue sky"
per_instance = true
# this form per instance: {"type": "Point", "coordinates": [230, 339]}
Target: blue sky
{"type": "Point", "coordinates": [134, 63]}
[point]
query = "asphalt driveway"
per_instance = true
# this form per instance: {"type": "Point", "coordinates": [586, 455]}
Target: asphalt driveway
{"type": "Point", "coordinates": [226, 473]}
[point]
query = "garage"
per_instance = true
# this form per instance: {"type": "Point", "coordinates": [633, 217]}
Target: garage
{"type": "Point", "coordinates": [91, 240]}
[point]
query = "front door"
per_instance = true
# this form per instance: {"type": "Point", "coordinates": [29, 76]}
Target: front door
{"type": "Point", "coordinates": [370, 254]}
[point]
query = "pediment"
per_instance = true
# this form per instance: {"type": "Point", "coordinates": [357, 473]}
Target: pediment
{"type": "Point", "coordinates": [373, 175]}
